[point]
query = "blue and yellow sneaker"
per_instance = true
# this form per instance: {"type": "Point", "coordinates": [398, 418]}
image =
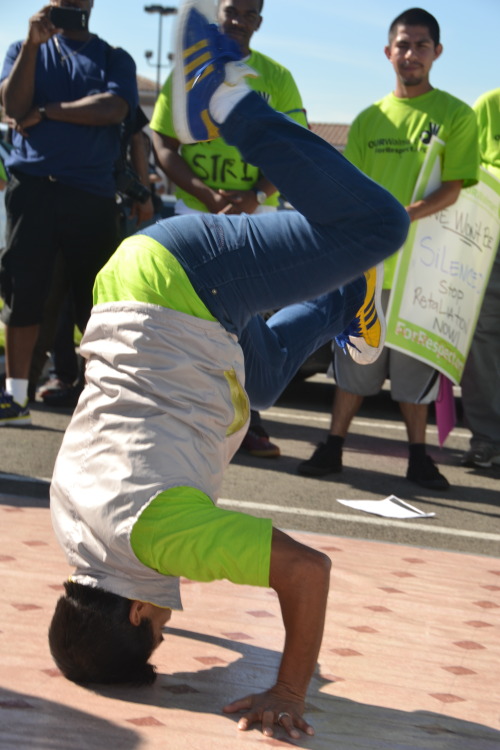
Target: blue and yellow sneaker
{"type": "Point", "coordinates": [365, 336]}
{"type": "Point", "coordinates": [12, 413]}
{"type": "Point", "coordinates": [201, 53]}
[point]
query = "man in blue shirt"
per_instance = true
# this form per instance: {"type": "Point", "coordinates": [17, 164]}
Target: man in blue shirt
{"type": "Point", "coordinates": [66, 93]}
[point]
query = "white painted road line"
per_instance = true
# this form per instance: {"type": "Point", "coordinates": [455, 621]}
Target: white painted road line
{"type": "Point", "coordinates": [373, 423]}
{"type": "Point", "coordinates": [247, 505]}
{"type": "Point", "coordinates": [19, 478]}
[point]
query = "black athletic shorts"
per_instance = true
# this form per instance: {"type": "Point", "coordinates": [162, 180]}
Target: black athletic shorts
{"type": "Point", "coordinates": [43, 218]}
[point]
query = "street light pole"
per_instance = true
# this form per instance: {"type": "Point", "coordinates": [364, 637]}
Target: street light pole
{"type": "Point", "coordinates": [162, 10]}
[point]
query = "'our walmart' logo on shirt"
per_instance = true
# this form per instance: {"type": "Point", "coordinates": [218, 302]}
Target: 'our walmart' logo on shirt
{"type": "Point", "coordinates": [264, 94]}
{"type": "Point", "coordinates": [426, 135]}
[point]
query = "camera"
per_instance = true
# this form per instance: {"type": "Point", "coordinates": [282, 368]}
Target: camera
{"type": "Point", "coordinates": [69, 19]}
{"type": "Point", "coordinates": [129, 185]}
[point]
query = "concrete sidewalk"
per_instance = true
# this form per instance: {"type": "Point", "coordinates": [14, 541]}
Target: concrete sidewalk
{"type": "Point", "coordinates": [409, 659]}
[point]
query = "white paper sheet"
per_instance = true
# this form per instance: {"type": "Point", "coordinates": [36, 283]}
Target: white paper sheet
{"type": "Point", "coordinates": [390, 507]}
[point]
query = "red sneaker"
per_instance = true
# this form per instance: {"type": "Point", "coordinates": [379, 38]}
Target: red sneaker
{"type": "Point", "coordinates": [256, 443]}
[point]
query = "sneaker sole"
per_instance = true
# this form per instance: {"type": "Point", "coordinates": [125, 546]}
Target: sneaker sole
{"type": "Point", "coordinates": [431, 485]}
{"type": "Point", "coordinates": [368, 354]}
{"type": "Point", "coordinates": [262, 454]}
{"type": "Point", "coordinates": [180, 113]}
{"type": "Point", "coordinates": [17, 422]}
{"type": "Point", "coordinates": [316, 471]}
{"type": "Point", "coordinates": [479, 464]}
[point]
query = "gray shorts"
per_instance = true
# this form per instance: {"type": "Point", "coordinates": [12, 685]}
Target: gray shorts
{"type": "Point", "coordinates": [412, 381]}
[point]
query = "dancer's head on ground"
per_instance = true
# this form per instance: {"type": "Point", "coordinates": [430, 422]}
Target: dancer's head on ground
{"type": "Point", "coordinates": [98, 637]}
{"type": "Point", "coordinates": [412, 49]}
{"type": "Point", "coordinates": [240, 19]}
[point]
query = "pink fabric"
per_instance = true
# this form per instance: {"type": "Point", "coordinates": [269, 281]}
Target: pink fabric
{"type": "Point", "coordinates": [446, 415]}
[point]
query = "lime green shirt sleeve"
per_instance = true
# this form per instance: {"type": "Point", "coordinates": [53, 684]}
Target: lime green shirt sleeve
{"type": "Point", "coordinates": [487, 109]}
{"type": "Point", "coordinates": [182, 533]}
{"type": "Point", "coordinates": [161, 120]}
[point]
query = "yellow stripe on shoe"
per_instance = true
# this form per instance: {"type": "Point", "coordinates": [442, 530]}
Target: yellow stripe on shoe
{"type": "Point", "coordinates": [369, 321]}
{"type": "Point", "coordinates": [367, 343]}
{"type": "Point", "coordinates": [202, 44]}
{"type": "Point", "coordinates": [189, 67]}
{"type": "Point", "coordinates": [190, 84]}
{"type": "Point", "coordinates": [212, 129]}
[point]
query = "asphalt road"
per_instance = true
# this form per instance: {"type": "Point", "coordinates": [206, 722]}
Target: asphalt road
{"type": "Point", "coordinates": [466, 516]}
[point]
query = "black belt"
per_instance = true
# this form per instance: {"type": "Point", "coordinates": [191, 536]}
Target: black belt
{"type": "Point", "coordinates": [26, 176]}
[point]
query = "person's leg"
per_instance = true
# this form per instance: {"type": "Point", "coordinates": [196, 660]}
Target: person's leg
{"type": "Point", "coordinates": [415, 419]}
{"type": "Point", "coordinates": [89, 235]}
{"type": "Point", "coordinates": [353, 384]}
{"type": "Point", "coordinates": [51, 313]}
{"type": "Point", "coordinates": [25, 273]}
{"type": "Point", "coordinates": [415, 385]}
{"type": "Point", "coordinates": [19, 344]}
{"type": "Point", "coordinates": [481, 380]}
{"type": "Point", "coordinates": [244, 265]}
{"type": "Point", "coordinates": [63, 388]}
{"type": "Point", "coordinates": [65, 357]}
{"type": "Point", "coordinates": [345, 407]}
{"type": "Point", "coordinates": [274, 350]}
{"type": "Point", "coordinates": [327, 457]}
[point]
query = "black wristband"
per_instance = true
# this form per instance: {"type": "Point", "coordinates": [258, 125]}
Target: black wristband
{"type": "Point", "coordinates": [43, 113]}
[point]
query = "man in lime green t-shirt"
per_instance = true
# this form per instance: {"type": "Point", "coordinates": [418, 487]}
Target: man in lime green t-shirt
{"type": "Point", "coordinates": [481, 378]}
{"type": "Point", "coordinates": [212, 176]}
{"type": "Point", "coordinates": [388, 141]}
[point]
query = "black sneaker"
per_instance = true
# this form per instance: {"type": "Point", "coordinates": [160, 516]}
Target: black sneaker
{"type": "Point", "coordinates": [426, 474]}
{"type": "Point", "coordinates": [326, 459]}
{"type": "Point", "coordinates": [12, 413]}
{"type": "Point", "coordinates": [63, 397]}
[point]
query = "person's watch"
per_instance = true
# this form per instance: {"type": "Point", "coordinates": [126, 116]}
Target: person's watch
{"type": "Point", "coordinates": [43, 113]}
{"type": "Point", "coordinates": [260, 195]}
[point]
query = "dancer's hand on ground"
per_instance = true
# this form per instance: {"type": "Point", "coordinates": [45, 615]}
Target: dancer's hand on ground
{"type": "Point", "coordinates": [271, 708]}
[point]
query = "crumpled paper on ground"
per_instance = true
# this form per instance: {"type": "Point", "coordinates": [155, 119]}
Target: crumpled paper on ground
{"type": "Point", "coordinates": [390, 507]}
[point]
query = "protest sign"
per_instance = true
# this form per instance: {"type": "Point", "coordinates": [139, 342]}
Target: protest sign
{"type": "Point", "coordinates": [442, 272]}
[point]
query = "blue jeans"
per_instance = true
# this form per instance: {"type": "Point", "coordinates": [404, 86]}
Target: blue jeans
{"type": "Point", "coordinates": [307, 261]}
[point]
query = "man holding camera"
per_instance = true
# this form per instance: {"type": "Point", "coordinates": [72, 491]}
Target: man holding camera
{"type": "Point", "coordinates": [66, 92]}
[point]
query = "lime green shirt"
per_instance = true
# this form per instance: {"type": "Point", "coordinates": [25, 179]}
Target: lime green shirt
{"type": "Point", "coordinates": [216, 163]}
{"type": "Point", "coordinates": [3, 173]}
{"type": "Point", "coordinates": [143, 270]}
{"type": "Point", "coordinates": [389, 140]}
{"type": "Point", "coordinates": [487, 109]}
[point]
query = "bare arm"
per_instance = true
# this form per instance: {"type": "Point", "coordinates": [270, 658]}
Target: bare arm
{"type": "Point", "coordinates": [444, 196]}
{"type": "Point", "coordinates": [97, 110]}
{"type": "Point", "coordinates": [139, 160]}
{"type": "Point", "coordinates": [301, 577]}
{"type": "Point", "coordinates": [245, 201]}
{"type": "Point", "coordinates": [18, 89]}
{"type": "Point", "coordinates": [174, 166]}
